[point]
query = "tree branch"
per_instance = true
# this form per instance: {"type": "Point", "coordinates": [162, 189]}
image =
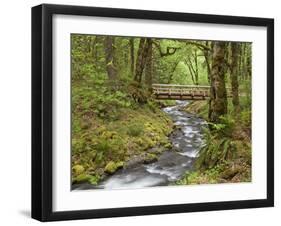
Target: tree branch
{"type": "Point", "coordinates": [199, 45]}
{"type": "Point", "coordinates": [169, 50]}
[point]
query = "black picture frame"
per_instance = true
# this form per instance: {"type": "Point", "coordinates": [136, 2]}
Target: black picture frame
{"type": "Point", "coordinates": [42, 106]}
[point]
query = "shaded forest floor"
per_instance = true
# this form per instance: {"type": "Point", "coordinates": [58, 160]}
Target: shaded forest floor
{"type": "Point", "coordinates": [226, 156]}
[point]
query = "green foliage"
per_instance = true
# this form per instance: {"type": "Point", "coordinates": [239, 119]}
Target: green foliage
{"type": "Point", "coordinates": [225, 127]}
{"type": "Point", "coordinates": [92, 179]}
{"type": "Point", "coordinates": [216, 150]}
{"type": "Point", "coordinates": [102, 147]}
{"type": "Point", "coordinates": [138, 93]}
{"type": "Point", "coordinates": [199, 108]}
{"type": "Point", "coordinates": [246, 118]}
{"type": "Point", "coordinates": [115, 119]}
{"type": "Point", "coordinates": [98, 139]}
{"type": "Point", "coordinates": [135, 130]}
{"type": "Point", "coordinates": [78, 169]}
{"type": "Point", "coordinates": [111, 167]}
{"type": "Point", "coordinates": [150, 157]}
{"type": "Point", "coordinates": [219, 144]}
{"type": "Point", "coordinates": [226, 153]}
{"type": "Point", "coordinates": [167, 103]}
{"type": "Point", "coordinates": [98, 100]}
{"type": "Point", "coordinates": [210, 176]}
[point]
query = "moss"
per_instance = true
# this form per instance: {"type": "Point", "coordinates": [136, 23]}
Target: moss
{"type": "Point", "coordinates": [135, 129]}
{"type": "Point", "coordinates": [210, 176]}
{"type": "Point", "coordinates": [81, 178]}
{"type": "Point", "coordinates": [199, 108]}
{"type": "Point", "coordinates": [78, 169]}
{"type": "Point", "coordinates": [94, 179]}
{"type": "Point", "coordinates": [167, 103]}
{"type": "Point", "coordinates": [168, 145]}
{"type": "Point", "coordinates": [111, 167]}
{"type": "Point", "coordinates": [150, 157]}
{"type": "Point", "coordinates": [150, 143]}
{"type": "Point", "coordinates": [104, 139]}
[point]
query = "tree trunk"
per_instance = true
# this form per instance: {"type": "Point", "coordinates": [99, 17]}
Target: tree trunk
{"type": "Point", "coordinates": [98, 40]}
{"type": "Point", "coordinates": [193, 69]}
{"type": "Point", "coordinates": [234, 75]}
{"type": "Point", "coordinates": [244, 60]}
{"type": "Point", "coordinates": [190, 71]}
{"type": "Point", "coordinates": [240, 62]}
{"type": "Point", "coordinates": [141, 59]}
{"type": "Point", "coordinates": [172, 72]}
{"type": "Point", "coordinates": [196, 68]}
{"type": "Point", "coordinates": [218, 98]}
{"type": "Point", "coordinates": [148, 66]}
{"type": "Point", "coordinates": [249, 62]}
{"type": "Point", "coordinates": [109, 58]}
{"type": "Point", "coordinates": [207, 60]}
{"type": "Point", "coordinates": [132, 50]}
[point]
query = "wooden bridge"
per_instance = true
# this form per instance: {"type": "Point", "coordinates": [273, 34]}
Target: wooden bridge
{"type": "Point", "coordinates": [182, 92]}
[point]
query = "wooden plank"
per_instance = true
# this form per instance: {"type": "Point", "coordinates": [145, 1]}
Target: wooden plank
{"type": "Point", "coordinates": [177, 85]}
{"type": "Point", "coordinates": [183, 92]}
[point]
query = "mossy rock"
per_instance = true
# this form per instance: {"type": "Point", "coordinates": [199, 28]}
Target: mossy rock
{"type": "Point", "coordinates": [92, 179]}
{"type": "Point", "coordinates": [106, 143]}
{"type": "Point", "coordinates": [78, 169]}
{"type": "Point", "coordinates": [108, 134]}
{"type": "Point", "coordinates": [150, 157]}
{"type": "Point", "coordinates": [81, 178]}
{"type": "Point", "coordinates": [111, 167]}
{"type": "Point", "coordinates": [168, 145]}
{"type": "Point", "coordinates": [148, 143]}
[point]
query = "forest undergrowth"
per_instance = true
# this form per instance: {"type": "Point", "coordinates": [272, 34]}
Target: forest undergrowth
{"type": "Point", "coordinates": [226, 154]}
{"type": "Point", "coordinates": [110, 128]}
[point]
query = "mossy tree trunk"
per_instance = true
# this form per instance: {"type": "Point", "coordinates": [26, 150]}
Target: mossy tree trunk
{"type": "Point", "coordinates": [249, 62]}
{"type": "Point", "coordinates": [218, 97]}
{"type": "Point", "coordinates": [174, 68]}
{"type": "Point", "coordinates": [141, 59]}
{"type": "Point", "coordinates": [139, 66]}
{"type": "Point", "coordinates": [148, 66]}
{"type": "Point", "coordinates": [240, 62]}
{"type": "Point", "coordinates": [196, 67]}
{"type": "Point", "coordinates": [190, 71]}
{"type": "Point", "coordinates": [109, 57]}
{"type": "Point", "coordinates": [244, 61]}
{"type": "Point", "coordinates": [207, 60]}
{"type": "Point", "coordinates": [234, 75]}
{"type": "Point", "coordinates": [193, 69]}
{"type": "Point", "coordinates": [132, 51]}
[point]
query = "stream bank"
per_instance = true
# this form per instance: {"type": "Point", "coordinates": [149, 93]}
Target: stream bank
{"type": "Point", "coordinates": [226, 156]}
{"type": "Point", "coordinates": [172, 163]}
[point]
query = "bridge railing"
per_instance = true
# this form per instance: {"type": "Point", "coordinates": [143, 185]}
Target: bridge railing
{"type": "Point", "coordinates": [183, 90]}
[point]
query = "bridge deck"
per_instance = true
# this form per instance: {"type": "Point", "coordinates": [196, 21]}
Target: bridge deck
{"type": "Point", "coordinates": [182, 92]}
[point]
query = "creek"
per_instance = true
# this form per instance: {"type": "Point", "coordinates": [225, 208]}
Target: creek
{"type": "Point", "coordinates": [171, 165]}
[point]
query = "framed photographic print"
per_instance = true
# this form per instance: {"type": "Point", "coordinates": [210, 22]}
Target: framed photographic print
{"type": "Point", "coordinates": [146, 112]}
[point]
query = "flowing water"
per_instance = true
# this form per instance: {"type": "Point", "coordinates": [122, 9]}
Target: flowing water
{"type": "Point", "coordinates": [171, 164]}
